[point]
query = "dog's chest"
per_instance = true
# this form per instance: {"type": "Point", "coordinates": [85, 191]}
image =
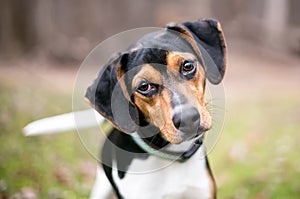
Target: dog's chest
{"type": "Point", "coordinates": [159, 178]}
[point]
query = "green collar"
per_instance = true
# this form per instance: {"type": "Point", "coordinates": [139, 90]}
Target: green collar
{"type": "Point", "coordinates": [181, 158]}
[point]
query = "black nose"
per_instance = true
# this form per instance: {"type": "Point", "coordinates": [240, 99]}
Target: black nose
{"type": "Point", "coordinates": [187, 120]}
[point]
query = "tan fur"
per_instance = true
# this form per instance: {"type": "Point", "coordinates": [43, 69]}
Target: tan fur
{"type": "Point", "coordinates": [148, 73]}
{"type": "Point", "coordinates": [157, 109]}
{"type": "Point", "coordinates": [211, 184]}
{"type": "Point", "coordinates": [223, 44]}
{"type": "Point", "coordinates": [188, 37]}
{"type": "Point", "coordinates": [193, 89]}
{"type": "Point", "coordinates": [122, 82]}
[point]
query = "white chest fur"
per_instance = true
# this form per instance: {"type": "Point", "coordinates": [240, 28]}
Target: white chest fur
{"type": "Point", "coordinates": [177, 181]}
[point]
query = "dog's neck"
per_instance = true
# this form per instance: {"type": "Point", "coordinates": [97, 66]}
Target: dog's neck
{"type": "Point", "coordinates": [158, 146]}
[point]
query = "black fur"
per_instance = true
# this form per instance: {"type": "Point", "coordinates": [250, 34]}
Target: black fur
{"type": "Point", "coordinates": [153, 48]}
{"type": "Point", "coordinates": [133, 61]}
{"type": "Point", "coordinates": [203, 38]}
{"type": "Point", "coordinates": [211, 43]}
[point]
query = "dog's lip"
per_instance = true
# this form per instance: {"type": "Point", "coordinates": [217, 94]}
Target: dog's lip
{"type": "Point", "coordinates": [186, 144]}
{"type": "Point", "coordinates": [200, 133]}
{"type": "Point", "coordinates": [201, 130]}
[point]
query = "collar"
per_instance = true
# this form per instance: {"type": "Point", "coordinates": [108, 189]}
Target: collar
{"type": "Point", "coordinates": [194, 146]}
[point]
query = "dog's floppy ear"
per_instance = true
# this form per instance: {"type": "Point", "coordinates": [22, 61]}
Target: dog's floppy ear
{"type": "Point", "coordinates": [210, 41]}
{"type": "Point", "coordinates": [106, 96]}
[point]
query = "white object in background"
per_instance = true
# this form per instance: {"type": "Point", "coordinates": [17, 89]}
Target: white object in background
{"type": "Point", "coordinates": [65, 122]}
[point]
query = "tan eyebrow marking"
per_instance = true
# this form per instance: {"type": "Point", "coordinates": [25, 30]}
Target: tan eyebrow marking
{"type": "Point", "coordinates": [148, 73]}
{"type": "Point", "coordinates": [174, 59]}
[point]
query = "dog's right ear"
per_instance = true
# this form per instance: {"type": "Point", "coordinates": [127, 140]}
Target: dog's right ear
{"type": "Point", "coordinates": [207, 40]}
{"type": "Point", "coordinates": [106, 96]}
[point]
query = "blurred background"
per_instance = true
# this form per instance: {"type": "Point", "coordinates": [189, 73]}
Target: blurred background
{"type": "Point", "coordinates": [42, 44]}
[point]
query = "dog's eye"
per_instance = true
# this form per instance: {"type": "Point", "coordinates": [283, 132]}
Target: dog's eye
{"type": "Point", "coordinates": [145, 88]}
{"type": "Point", "coordinates": [188, 68]}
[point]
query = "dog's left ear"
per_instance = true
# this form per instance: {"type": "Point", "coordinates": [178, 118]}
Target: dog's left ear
{"type": "Point", "coordinates": [106, 96]}
{"type": "Point", "coordinates": [207, 40]}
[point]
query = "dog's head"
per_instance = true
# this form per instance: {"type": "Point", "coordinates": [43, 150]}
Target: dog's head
{"type": "Point", "coordinates": [160, 81]}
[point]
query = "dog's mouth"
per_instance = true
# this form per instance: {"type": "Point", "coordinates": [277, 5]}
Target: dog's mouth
{"type": "Point", "coordinates": [180, 144]}
{"type": "Point", "coordinates": [187, 123]}
{"type": "Point", "coordinates": [199, 133]}
{"type": "Point", "coordinates": [177, 136]}
{"type": "Point", "coordinates": [186, 136]}
{"type": "Point", "coordinates": [185, 145]}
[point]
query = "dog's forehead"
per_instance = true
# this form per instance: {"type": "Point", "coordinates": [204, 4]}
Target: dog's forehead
{"type": "Point", "coordinates": [166, 74]}
{"type": "Point", "coordinates": [154, 47]}
{"type": "Point", "coordinates": [166, 39]}
{"type": "Point", "coordinates": [147, 56]}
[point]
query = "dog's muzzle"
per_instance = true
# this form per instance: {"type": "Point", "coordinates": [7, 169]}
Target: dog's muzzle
{"type": "Point", "coordinates": [187, 121]}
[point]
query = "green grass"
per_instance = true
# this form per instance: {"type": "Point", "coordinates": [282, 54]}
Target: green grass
{"type": "Point", "coordinates": [257, 155]}
{"type": "Point", "coordinates": [49, 164]}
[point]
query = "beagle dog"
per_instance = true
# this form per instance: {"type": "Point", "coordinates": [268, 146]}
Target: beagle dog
{"type": "Point", "coordinates": [153, 94]}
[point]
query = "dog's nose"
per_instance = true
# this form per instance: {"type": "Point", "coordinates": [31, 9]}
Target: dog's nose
{"type": "Point", "coordinates": [187, 121]}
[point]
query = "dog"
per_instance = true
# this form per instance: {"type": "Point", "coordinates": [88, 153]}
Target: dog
{"type": "Point", "coordinates": [153, 94]}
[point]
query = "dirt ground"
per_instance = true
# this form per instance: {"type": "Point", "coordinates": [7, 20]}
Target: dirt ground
{"type": "Point", "coordinates": [254, 71]}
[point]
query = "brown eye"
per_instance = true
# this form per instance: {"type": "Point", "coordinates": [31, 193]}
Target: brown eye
{"type": "Point", "coordinates": [188, 69]}
{"type": "Point", "coordinates": [144, 87]}
{"type": "Point", "coordinates": [147, 89]}
{"type": "Point", "coordinates": [187, 66]}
